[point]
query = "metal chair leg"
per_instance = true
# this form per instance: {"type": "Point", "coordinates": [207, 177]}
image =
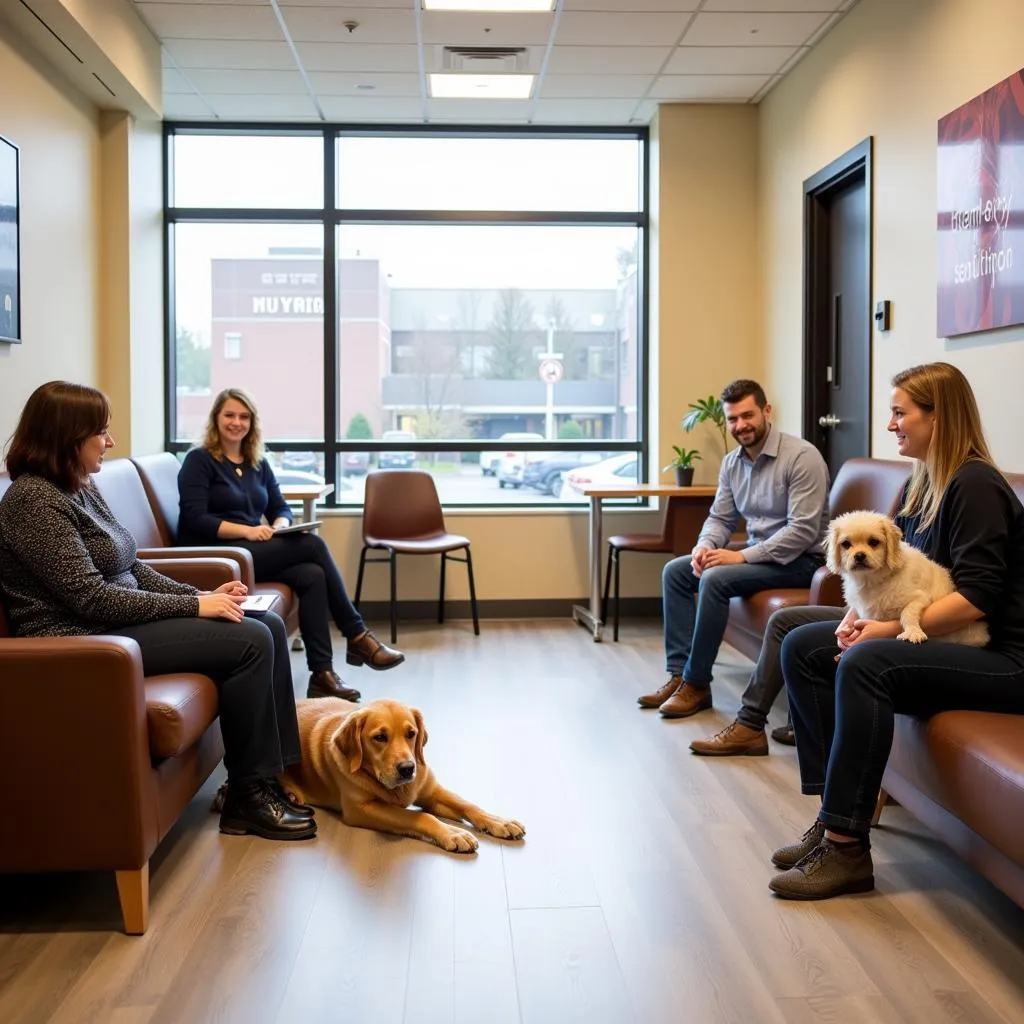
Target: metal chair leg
{"type": "Point", "coordinates": [359, 578]}
{"type": "Point", "coordinates": [440, 600]}
{"type": "Point", "coordinates": [615, 630]}
{"type": "Point", "coordinates": [393, 560]}
{"type": "Point", "coordinates": [607, 584]}
{"type": "Point", "coordinates": [472, 592]}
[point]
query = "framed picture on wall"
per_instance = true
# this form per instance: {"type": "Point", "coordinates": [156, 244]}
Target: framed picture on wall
{"type": "Point", "coordinates": [10, 280]}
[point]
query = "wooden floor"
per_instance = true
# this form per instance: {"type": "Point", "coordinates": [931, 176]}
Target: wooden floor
{"type": "Point", "coordinates": [640, 892]}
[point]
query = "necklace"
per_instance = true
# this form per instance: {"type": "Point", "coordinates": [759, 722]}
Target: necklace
{"type": "Point", "coordinates": [238, 466]}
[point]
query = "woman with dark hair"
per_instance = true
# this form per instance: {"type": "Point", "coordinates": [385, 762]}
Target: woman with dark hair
{"type": "Point", "coordinates": [69, 568]}
{"type": "Point", "coordinates": [228, 494]}
{"type": "Point", "coordinates": [960, 511]}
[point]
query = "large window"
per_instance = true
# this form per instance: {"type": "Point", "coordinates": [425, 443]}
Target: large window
{"type": "Point", "coordinates": [466, 303]}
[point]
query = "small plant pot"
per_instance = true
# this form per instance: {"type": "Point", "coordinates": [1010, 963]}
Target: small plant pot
{"type": "Point", "coordinates": [684, 476]}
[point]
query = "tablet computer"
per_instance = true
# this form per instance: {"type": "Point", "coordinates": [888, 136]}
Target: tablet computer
{"type": "Point", "coordinates": [258, 603]}
{"type": "Point", "coordinates": [299, 527]}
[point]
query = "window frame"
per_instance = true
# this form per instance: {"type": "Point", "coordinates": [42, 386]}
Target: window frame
{"type": "Point", "coordinates": [331, 217]}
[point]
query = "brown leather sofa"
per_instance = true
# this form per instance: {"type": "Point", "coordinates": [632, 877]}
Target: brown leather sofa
{"type": "Point", "coordinates": [99, 759]}
{"type": "Point", "coordinates": [143, 495]}
{"type": "Point", "coordinates": [874, 484]}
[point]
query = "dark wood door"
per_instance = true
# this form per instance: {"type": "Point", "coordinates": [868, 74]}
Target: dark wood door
{"type": "Point", "coordinates": [837, 325]}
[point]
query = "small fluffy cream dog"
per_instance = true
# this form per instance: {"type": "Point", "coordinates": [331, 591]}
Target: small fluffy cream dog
{"type": "Point", "coordinates": [885, 578]}
{"type": "Point", "coordinates": [367, 763]}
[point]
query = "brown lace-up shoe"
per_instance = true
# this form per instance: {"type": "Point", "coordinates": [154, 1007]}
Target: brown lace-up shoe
{"type": "Point", "coordinates": [784, 734]}
{"type": "Point", "coordinates": [327, 683]}
{"type": "Point", "coordinates": [686, 701]}
{"type": "Point", "coordinates": [366, 649]}
{"type": "Point", "coordinates": [662, 694]}
{"type": "Point", "coordinates": [830, 869]}
{"type": "Point", "coordinates": [734, 740]}
{"type": "Point", "coordinates": [786, 856]}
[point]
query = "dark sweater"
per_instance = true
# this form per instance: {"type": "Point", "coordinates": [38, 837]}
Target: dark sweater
{"type": "Point", "coordinates": [68, 567]}
{"type": "Point", "coordinates": [210, 492]}
{"type": "Point", "coordinates": [978, 535]}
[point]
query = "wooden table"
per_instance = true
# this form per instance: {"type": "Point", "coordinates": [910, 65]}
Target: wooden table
{"type": "Point", "coordinates": [309, 495]}
{"type": "Point", "coordinates": [694, 502]}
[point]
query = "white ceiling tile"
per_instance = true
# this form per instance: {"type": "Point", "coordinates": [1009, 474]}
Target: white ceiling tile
{"type": "Point", "coordinates": [753, 29]}
{"type": "Point", "coordinates": [263, 107]}
{"type": "Point", "coordinates": [212, 21]}
{"type": "Point", "coordinates": [330, 83]}
{"type": "Point", "coordinates": [353, 6]}
{"type": "Point", "coordinates": [645, 112]}
{"type": "Point", "coordinates": [584, 111]}
{"type": "Point", "coordinates": [338, 57]}
{"type": "Point", "coordinates": [373, 108]}
{"type": "Point", "coordinates": [479, 111]}
{"type": "Point", "coordinates": [178, 107]}
{"type": "Point", "coordinates": [829, 24]}
{"type": "Point", "coordinates": [795, 6]}
{"type": "Point", "coordinates": [595, 86]}
{"type": "Point", "coordinates": [707, 87]}
{"type": "Point", "coordinates": [175, 82]}
{"type": "Point", "coordinates": [326, 25]}
{"type": "Point", "coordinates": [450, 29]}
{"type": "Point", "coordinates": [732, 60]}
{"type": "Point", "coordinates": [623, 60]}
{"type": "Point", "coordinates": [210, 53]}
{"type": "Point", "coordinates": [627, 6]}
{"type": "Point", "coordinates": [582, 28]}
{"type": "Point", "coordinates": [263, 83]}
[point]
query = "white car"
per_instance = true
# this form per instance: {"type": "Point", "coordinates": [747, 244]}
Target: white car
{"type": "Point", "coordinates": [490, 462]}
{"type": "Point", "coordinates": [619, 469]}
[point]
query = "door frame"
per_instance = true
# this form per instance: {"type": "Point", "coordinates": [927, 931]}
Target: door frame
{"type": "Point", "coordinates": [818, 189]}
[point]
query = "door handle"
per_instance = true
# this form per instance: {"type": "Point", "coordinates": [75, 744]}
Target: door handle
{"type": "Point", "coordinates": [829, 421]}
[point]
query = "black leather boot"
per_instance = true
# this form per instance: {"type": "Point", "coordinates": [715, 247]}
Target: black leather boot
{"type": "Point", "coordinates": [252, 808]}
{"type": "Point", "coordinates": [327, 683]}
{"type": "Point", "coordinates": [300, 810]}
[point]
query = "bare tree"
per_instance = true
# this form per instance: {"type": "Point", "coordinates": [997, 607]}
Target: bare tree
{"type": "Point", "coordinates": [510, 330]}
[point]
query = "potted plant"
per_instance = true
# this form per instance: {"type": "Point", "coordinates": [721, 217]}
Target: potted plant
{"type": "Point", "coordinates": [682, 463]}
{"type": "Point", "coordinates": [707, 410]}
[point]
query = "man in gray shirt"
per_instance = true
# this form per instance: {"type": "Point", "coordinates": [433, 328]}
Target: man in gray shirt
{"type": "Point", "coordinates": [779, 485]}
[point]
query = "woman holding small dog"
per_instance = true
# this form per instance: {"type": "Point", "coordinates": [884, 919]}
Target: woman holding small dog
{"type": "Point", "coordinates": [226, 490]}
{"type": "Point", "coordinates": [69, 568]}
{"type": "Point", "coordinates": [960, 512]}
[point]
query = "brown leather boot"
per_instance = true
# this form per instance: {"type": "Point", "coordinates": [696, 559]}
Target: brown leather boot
{"type": "Point", "coordinates": [662, 694]}
{"type": "Point", "coordinates": [366, 649]}
{"type": "Point", "coordinates": [735, 739]}
{"type": "Point", "coordinates": [327, 683]}
{"type": "Point", "coordinates": [686, 701]}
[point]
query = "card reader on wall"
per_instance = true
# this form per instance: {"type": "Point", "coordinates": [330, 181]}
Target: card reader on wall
{"type": "Point", "coordinates": [882, 315]}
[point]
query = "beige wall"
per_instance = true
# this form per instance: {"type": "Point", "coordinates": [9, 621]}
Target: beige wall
{"type": "Point", "coordinates": [890, 69]}
{"type": "Point", "coordinates": [60, 160]}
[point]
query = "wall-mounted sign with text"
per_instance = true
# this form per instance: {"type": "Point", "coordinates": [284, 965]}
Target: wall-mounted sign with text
{"type": "Point", "coordinates": [981, 212]}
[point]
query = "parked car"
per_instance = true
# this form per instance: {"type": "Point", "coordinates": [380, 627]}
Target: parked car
{"type": "Point", "coordinates": [489, 461]}
{"type": "Point", "coordinates": [299, 478]}
{"type": "Point", "coordinates": [548, 473]}
{"type": "Point", "coordinates": [355, 463]}
{"type": "Point", "coordinates": [304, 461]}
{"type": "Point", "coordinates": [511, 464]}
{"type": "Point", "coordinates": [397, 460]}
{"type": "Point", "coordinates": [619, 469]}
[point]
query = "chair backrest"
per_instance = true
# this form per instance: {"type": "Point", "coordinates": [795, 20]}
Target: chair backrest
{"type": "Point", "coordinates": [159, 474]}
{"type": "Point", "coordinates": [871, 484]}
{"type": "Point", "coordinates": [121, 487]}
{"type": "Point", "coordinates": [1016, 481]}
{"type": "Point", "coordinates": [5, 626]}
{"type": "Point", "coordinates": [401, 504]}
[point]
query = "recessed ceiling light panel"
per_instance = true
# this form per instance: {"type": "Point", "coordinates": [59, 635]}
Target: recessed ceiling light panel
{"type": "Point", "coordinates": [490, 6]}
{"type": "Point", "coordinates": [481, 87]}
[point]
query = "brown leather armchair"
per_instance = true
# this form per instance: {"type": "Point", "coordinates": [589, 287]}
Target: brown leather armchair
{"type": "Point", "coordinates": [101, 759]}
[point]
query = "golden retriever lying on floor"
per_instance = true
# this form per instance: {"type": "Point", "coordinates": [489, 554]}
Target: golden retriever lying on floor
{"type": "Point", "coordinates": [367, 762]}
{"type": "Point", "coordinates": [885, 578]}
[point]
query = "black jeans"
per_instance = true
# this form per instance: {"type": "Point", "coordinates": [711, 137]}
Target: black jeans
{"type": "Point", "coordinates": [303, 562]}
{"type": "Point", "coordinates": [843, 712]}
{"type": "Point", "coordinates": [249, 662]}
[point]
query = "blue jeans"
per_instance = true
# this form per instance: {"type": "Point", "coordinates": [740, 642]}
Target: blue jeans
{"type": "Point", "coordinates": [694, 630]}
{"type": "Point", "coordinates": [843, 712]}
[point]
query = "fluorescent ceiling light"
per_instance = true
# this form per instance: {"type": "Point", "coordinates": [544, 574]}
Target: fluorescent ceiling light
{"type": "Point", "coordinates": [522, 6]}
{"type": "Point", "coordinates": [481, 87]}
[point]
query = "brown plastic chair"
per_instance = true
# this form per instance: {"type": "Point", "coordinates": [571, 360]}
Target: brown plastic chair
{"type": "Point", "coordinates": [680, 526]}
{"type": "Point", "coordinates": [402, 515]}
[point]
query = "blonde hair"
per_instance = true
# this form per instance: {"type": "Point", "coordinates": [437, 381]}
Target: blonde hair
{"type": "Point", "coordinates": [252, 443]}
{"type": "Point", "coordinates": [957, 436]}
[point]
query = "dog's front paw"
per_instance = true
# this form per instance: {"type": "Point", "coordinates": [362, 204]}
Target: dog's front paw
{"type": "Point", "coordinates": [913, 635]}
{"type": "Point", "coordinates": [501, 828]}
{"type": "Point", "coordinates": [458, 840]}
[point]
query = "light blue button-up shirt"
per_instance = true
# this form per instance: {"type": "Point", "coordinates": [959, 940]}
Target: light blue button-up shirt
{"type": "Point", "coordinates": [782, 495]}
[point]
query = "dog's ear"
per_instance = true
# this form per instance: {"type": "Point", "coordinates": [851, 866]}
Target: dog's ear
{"type": "Point", "coordinates": [893, 547]}
{"type": "Point", "coordinates": [421, 735]}
{"type": "Point", "coordinates": [349, 740]}
{"type": "Point", "coordinates": [833, 560]}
